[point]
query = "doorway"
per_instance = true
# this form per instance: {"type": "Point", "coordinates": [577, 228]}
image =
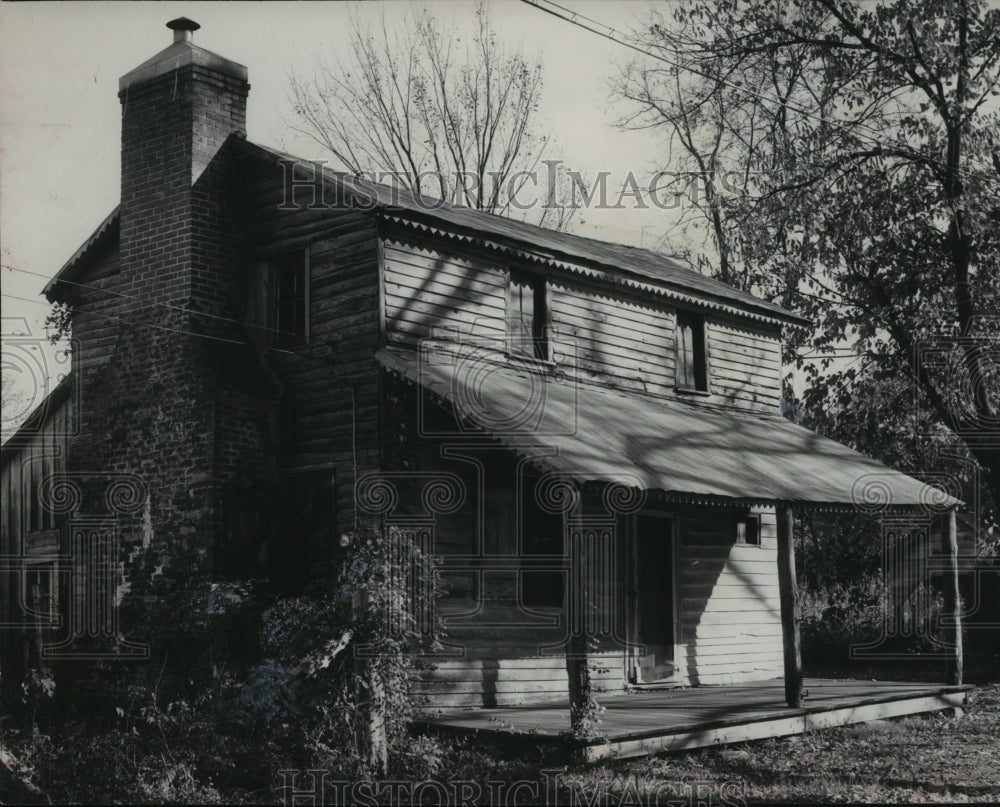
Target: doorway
{"type": "Point", "coordinates": [654, 607]}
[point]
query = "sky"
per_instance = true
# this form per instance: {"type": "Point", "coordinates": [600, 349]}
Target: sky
{"type": "Point", "coordinates": [60, 114]}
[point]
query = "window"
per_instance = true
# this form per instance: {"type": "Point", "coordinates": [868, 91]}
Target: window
{"type": "Point", "coordinates": [527, 316]}
{"type": "Point", "coordinates": [290, 299]}
{"type": "Point", "coordinates": [748, 530]}
{"type": "Point", "coordinates": [692, 370]}
{"type": "Point", "coordinates": [278, 300]}
{"type": "Point", "coordinates": [41, 596]}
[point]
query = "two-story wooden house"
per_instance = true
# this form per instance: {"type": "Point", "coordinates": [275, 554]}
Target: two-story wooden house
{"type": "Point", "coordinates": [270, 356]}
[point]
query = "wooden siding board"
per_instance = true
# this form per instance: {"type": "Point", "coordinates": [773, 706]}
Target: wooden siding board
{"type": "Point", "coordinates": [730, 620]}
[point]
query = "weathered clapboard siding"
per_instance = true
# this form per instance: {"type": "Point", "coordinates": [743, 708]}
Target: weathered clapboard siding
{"type": "Point", "coordinates": [427, 289]}
{"type": "Point", "coordinates": [97, 331]}
{"type": "Point", "coordinates": [613, 339]}
{"type": "Point", "coordinates": [29, 531]}
{"type": "Point", "coordinates": [744, 364]}
{"type": "Point", "coordinates": [598, 333]}
{"type": "Point", "coordinates": [330, 386]}
{"type": "Point", "coordinates": [501, 647]}
{"type": "Point", "coordinates": [730, 623]}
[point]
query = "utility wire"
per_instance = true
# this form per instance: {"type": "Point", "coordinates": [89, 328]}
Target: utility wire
{"type": "Point", "coordinates": [96, 315]}
{"type": "Point", "coordinates": [609, 33]}
{"type": "Point", "coordinates": [139, 299]}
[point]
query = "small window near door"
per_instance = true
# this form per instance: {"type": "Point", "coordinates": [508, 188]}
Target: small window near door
{"type": "Point", "coordinates": [526, 316]}
{"type": "Point", "coordinates": [692, 369]}
{"type": "Point", "coordinates": [748, 530]}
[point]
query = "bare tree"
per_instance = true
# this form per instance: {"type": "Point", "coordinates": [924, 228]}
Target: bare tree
{"type": "Point", "coordinates": [442, 116]}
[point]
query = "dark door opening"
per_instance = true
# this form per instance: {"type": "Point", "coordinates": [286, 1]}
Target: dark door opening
{"type": "Point", "coordinates": [654, 599]}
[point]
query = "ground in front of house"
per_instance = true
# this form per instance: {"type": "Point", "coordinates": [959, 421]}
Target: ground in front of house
{"type": "Point", "coordinates": [934, 757]}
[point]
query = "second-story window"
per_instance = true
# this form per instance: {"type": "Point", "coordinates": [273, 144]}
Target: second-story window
{"type": "Point", "coordinates": [527, 316]}
{"type": "Point", "coordinates": [289, 278]}
{"type": "Point", "coordinates": [692, 369]}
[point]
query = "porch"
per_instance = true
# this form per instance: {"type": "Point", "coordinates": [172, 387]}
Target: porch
{"type": "Point", "coordinates": [654, 721]}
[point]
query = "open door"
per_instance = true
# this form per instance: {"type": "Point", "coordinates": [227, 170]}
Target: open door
{"type": "Point", "coordinates": [653, 608]}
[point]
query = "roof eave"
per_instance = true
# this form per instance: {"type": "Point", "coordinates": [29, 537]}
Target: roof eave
{"type": "Point", "coordinates": [72, 269]}
{"type": "Point", "coordinates": [766, 311]}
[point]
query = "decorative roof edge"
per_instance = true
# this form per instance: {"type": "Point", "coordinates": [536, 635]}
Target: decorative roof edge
{"type": "Point", "coordinates": [619, 276]}
{"type": "Point", "coordinates": [86, 249]}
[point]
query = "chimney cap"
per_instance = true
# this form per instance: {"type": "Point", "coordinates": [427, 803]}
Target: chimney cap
{"type": "Point", "coordinates": [183, 24]}
{"type": "Point", "coordinates": [181, 53]}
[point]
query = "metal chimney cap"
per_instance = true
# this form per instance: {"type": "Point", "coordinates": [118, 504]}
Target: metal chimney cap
{"type": "Point", "coordinates": [183, 29]}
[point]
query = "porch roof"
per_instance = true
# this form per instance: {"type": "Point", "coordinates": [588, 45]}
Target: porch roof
{"type": "Point", "coordinates": [687, 451]}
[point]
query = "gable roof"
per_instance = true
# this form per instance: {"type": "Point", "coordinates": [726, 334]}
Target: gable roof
{"type": "Point", "coordinates": [630, 265]}
{"type": "Point", "coordinates": [653, 270]}
{"type": "Point", "coordinates": [106, 232]}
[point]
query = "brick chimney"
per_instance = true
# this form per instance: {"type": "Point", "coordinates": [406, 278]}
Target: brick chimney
{"type": "Point", "coordinates": [178, 110]}
{"type": "Point", "coordinates": [156, 406]}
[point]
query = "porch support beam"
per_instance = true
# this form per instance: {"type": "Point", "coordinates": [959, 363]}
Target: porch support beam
{"type": "Point", "coordinates": [788, 593]}
{"type": "Point", "coordinates": [578, 604]}
{"type": "Point", "coordinates": [952, 607]}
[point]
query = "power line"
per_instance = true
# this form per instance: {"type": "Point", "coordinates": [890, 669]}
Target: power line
{"type": "Point", "coordinates": [93, 314]}
{"type": "Point", "coordinates": [610, 34]}
{"type": "Point", "coordinates": [139, 299]}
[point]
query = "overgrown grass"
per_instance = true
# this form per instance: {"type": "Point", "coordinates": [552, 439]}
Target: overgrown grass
{"type": "Point", "coordinates": [929, 758]}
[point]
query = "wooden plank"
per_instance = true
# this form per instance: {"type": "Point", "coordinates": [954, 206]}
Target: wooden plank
{"type": "Point", "coordinates": [762, 564]}
{"type": "Point", "coordinates": [424, 255]}
{"type": "Point", "coordinates": [789, 608]}
{"type": "Point", "coordinates": [753, 339]}
{"type": "Point", "coordinates": [607, 317]}
{"type": "Point", "coordinates": [727, 551]}
{"type": "Point", "coordinates": [409, 278]}
{"type": "Point", "coordinates": [733, 633]}
{"type": "Point", "coordinates": [738, 359]}
{"type": "Point", "coordinates": [772, 727]}
{"type": "Point", "coordinates": [731, 605]}
{"type": "Point", "coordinates": [501, 686]}
{"type": "Point", "coordinates": [756, 615]}
{"type": "Point", "coordinates": [736, 654]}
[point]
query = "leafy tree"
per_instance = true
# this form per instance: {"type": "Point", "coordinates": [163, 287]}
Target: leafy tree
{"type": "Point", "coordinates": [847, 164]}
{"type": "Point", "coordinates": [449, 119]}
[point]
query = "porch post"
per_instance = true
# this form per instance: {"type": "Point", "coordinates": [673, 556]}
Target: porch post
{"type": "Point", "coordinates": [578, 602]}
{"type": "Point", "coordinates": [952, 608]}
{"type": "Point", "coordinates": [789, 607]}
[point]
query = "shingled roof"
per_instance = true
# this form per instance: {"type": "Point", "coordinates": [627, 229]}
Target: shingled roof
{"type": "Point", "coordinates": [644, 268]}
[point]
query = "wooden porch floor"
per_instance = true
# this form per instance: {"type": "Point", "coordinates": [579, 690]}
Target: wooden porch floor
{"type": "Point", "coordinates": [654, 721]}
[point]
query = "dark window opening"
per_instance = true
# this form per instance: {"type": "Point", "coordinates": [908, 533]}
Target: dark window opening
{"type": "Point", "coordinates": [527, 316]}
{"type": "Point", "coordinates": [290, 284]}
{"type": "Point", "coordinates": [541, 534]}
{"type": "Point", "coordinates": [748, 530]}
{"type": "Point", "coordinates": [247, 524]}
{"type": "Point", "coordinates": [691, 365]}
{"type": "Point", "coordinates": [305, 545]}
